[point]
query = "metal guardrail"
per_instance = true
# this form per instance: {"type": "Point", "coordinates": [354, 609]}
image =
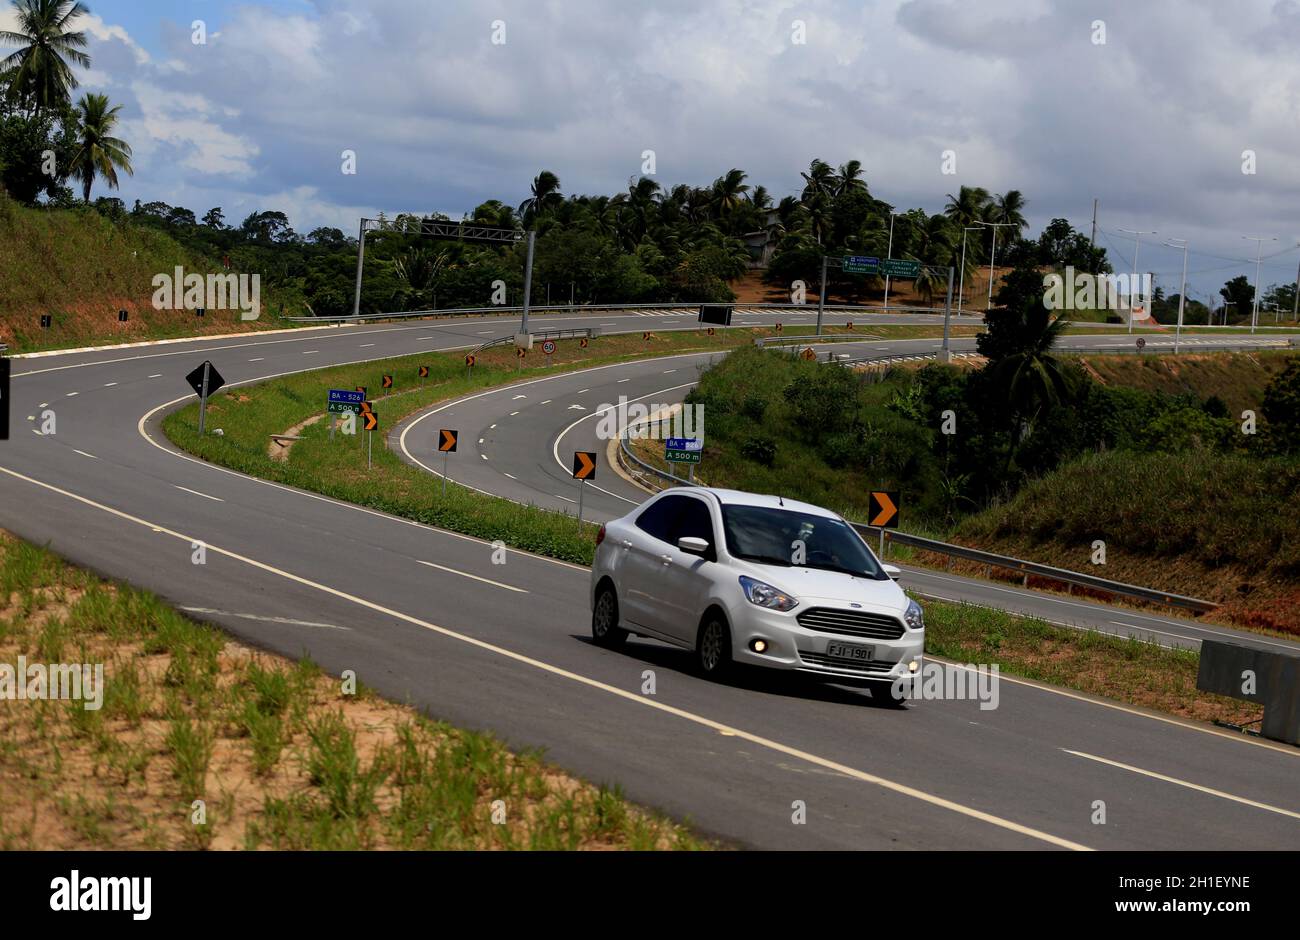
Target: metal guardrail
{"type": "Point", "coordinates": [816, 338]}
{"type": "Point", "coordinates": [594, 308]}
{"type": "Point", "coordinates": [569, 332]}
{"type": "Point", "coordinates": [645, 468]}
{"type": "Point", "coordinates": [1028, 568]}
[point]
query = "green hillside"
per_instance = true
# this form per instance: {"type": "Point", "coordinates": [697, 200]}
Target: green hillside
{"type": "Point", "coordinates": [80, 268]}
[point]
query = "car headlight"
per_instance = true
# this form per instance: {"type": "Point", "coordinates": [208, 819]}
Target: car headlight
{"type": "Point", "coordinates": [764, 595]}
{"type": "Point", "coordinates": [915, 616]}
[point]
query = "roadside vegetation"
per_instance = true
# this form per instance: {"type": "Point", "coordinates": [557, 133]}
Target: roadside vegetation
{"type": "Point", "coordinates": [1133, 672]}
{"type": "Point", "coordinates": [279, 755]}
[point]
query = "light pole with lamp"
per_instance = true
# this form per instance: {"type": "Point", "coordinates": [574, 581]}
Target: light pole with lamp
{"type": "Point", "coordinates": [1259, 257]}
{"type": "Point", "coordinates": [1182, 291]}
{"type": "Point", "coordinates": [961, 289]}
{"type": "Point", "coordinates": [1137, 243]}
{"type": "Point", "coordinates": [993, 254]}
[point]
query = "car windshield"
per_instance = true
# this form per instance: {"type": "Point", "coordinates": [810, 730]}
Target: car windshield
{"type": "Point", "coordinates": [790, 538]}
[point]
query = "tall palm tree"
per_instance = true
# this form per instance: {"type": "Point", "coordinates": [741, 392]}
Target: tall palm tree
{"type": "Point", "coordinates": [1009, 208]}
{"type": "Point", "coordinates": [849, 177]}
{"type": "Point", "coordinates": [545, 196]}
{"type": "Point", "coordinates": [39, 73]}
{"type": "Point", "coordinates": [728, 191]}
{"type": "Point", "coordinates": [98, 151]}
{"type": "Point", "coordinates": [1031, 377]}
{"type": "Point", "coordinates": [969, 206]}
{"type": "Point", "coordinates": [818, 181]}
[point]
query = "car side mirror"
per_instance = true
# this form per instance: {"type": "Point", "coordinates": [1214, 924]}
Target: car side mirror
{"type": "Point", "coordinates": [893, 572]}
{"type": "Point", "coordinates": [693, 545]}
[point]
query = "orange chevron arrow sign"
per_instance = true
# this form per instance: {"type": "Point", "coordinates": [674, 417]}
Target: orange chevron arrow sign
{"type": "Point", "coordinates": [448, 444]}
{"type": "Point", "coordinates": [584, 342]}
{"type": "Point", "coordinates": [424, 372]}
{"type": "Point", "coordinates": [388, 381]}
{"type": "Point", "coordinates": [884, 509]}
{"type": "Point", "coordinates": [584, 465]}
{"type": "Point", "coordinates": [809, 353]}
{"type": "Point", "coordinates": [366, 407]}
{"type": "Point", "coordinates": [371, 420]}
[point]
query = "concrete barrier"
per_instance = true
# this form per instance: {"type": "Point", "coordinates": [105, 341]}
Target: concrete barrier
{"type": "Point", "coordinates": [1265, 677]}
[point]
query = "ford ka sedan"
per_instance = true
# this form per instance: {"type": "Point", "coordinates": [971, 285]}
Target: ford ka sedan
{"type": "Point", "coordinates": [741, 578]}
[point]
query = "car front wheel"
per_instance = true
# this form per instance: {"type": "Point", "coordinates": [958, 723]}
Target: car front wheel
{"type": "Point", "coordinates": [713, 648]}
{"type": "Point", "coordinates": [604, 619]}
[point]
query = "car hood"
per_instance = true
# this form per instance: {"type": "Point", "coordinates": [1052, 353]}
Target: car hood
{"type": "Point", "coordinates": [818, 585]}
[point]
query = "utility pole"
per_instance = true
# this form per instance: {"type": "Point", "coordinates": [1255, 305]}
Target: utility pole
{"type": "Point", "coordinates": [1137, 241]}
{"type": "Point", "coordinates": [361, 261]}
{"type": "Point", "coordinates": [1092, 242]}
{"type": "Point", "coordinates": [1182, 291]}
{"type": "Point", "coordinates": [1259, 257]}
{"type": "Point", "coordinates": [1295, 303]}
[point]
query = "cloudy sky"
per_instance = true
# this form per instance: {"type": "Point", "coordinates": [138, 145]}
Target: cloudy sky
{"type": "Point", "coordinates": [1153, 121]}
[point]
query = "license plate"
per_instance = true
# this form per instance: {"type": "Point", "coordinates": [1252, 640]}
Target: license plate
{"type": "Point", "coordinates": [851, 652]}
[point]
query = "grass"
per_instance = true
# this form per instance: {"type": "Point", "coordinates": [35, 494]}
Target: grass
{"type": "Point", "coordinates": [82, 269]}
{"type": "Point", "coordinates": [278, 756]}
{"type": "Point", "coordinates": [249, 416]}
{"type": "Point", "coordinates": [1133, 672]}
{"type": "Point", "coordinates": [1127, 670]}
{"type": "Point", "coordinates": [1237, 378]}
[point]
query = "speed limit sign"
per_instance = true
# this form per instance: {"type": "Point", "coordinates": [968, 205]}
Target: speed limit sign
{"type": "Point", "coordinates": [548, 347]}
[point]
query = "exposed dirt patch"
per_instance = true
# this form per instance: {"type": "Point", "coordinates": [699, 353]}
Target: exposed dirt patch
{"type": "Point", "coordinates": [279, 449]}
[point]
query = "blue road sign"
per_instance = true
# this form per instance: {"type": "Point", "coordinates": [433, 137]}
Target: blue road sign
{"type": "Point", "coordinates": [683, 443]}
{"type": "Point", "coordinates": [350, 398]}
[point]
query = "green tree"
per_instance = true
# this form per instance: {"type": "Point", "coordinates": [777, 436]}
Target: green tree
{"type": "Point", "coordinates": [545, 196]}
{"type": "Point", "coordinates": [99, 152]}
{"type": "Point", "coordinates": [1240, 294]}
{"type": "Point", "coordinates": [39, 75]}
{"type": "Point", "coordinates": [1282, 409]}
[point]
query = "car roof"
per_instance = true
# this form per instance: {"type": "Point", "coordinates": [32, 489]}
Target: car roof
{"type": "Point", "coordinates": [741, 498]}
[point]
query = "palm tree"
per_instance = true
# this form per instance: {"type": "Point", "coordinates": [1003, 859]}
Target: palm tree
{"type": "Point", "coordinates": [969, 206]}
{"type": "Point", "coordinates": [98, 152]}
{"type": "Point", "coordinates": [818, 181]}
{"type": "Point", "coordinates": [38, 72]}
{"type": "Point", "coordinates": [1031, 377]}
{"type": "Point", "coordinates": [849, 177]}
{"type": "Point", "coordinates": [728, 191]}
{"type": "Point", "coordinates": [545, 196]}
{"type": "Point", "coordinates": [1008, 208]}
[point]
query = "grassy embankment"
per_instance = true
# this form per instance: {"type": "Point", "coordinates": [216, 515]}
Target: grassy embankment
{"type": "Point", "coordinates": [1133, 672]}
{"type": "Point", "coordinates": [82, 269]}
{"type": "Point", "coordinates": [279, 755]}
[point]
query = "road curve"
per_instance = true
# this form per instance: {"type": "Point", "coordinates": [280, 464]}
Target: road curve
{"type": "Point", "coordinates": [424, 616]}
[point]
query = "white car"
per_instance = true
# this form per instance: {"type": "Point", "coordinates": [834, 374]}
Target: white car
{"type": "Point", "coordinates": [742, 578]}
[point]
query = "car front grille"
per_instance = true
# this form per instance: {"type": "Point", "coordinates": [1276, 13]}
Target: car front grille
{"type": "Point", "coordinates": [827, 662]}
{"type": "Point", "coordinates": [851, 623]}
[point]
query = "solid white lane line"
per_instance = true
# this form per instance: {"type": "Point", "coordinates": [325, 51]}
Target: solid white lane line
{"type": "Point", "coordinates": [466, 574]}
{"type": "Point", "coordinates": [84, 454]}
{"type": "Point", "coordinates": [596, 684]}
{"type": "Point", "coordinates": [215, 499]}
{"type": "Point", "coordinates": [284, 620]}
{"type": "Point", "coordinates": [565, 498]}
{"type": "Point", "coordinates": [1187, 783]}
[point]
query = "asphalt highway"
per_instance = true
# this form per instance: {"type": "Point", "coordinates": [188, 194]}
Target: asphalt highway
{"type": "Point", "coordinates": [424, 616]}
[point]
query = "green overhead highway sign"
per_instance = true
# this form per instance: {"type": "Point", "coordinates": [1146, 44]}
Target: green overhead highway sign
{"type": "Point", "coordinates": [895, 267]}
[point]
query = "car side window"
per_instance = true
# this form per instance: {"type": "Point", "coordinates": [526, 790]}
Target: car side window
{"type": "Point", "coordinates": [659, 520]}
{"type": "Point", "coordinates": [693, 520]}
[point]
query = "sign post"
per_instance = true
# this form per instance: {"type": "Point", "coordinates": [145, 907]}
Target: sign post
{"type": "Point", "coordinates": [446, 444]}
{"type": "Point", "coordinates": [687, 450]}
{"type": "Point", "coordinates": [370, 421]}
{"type": "Point", "coordinates": [205, 380]}
{"type": "Point", "coordinates": [548, 347]}
{"type": "Point", "coordinates": [884, 513]}
{"type": "Point", "coordinates": [584, 469]}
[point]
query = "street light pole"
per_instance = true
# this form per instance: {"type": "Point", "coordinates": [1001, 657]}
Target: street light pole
{"type": "Point", "coordinates": [1259, 257]}
{"type": "Point", "coordinates": [961, 288]}
{"type": "Point", "coordinates": [1182, 291]}
{"type": "Point", "coordinates": [1137, 242]}
{"type": "Point", "coordinates": [528, 281]}
{"type": "Point", "coordinates": [993, 255]}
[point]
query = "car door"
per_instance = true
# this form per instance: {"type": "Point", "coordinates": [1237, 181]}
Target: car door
{"type": "Point", "coordinates": [687, 578]}
{"type": "Point", "coordinates": [642, 585]}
